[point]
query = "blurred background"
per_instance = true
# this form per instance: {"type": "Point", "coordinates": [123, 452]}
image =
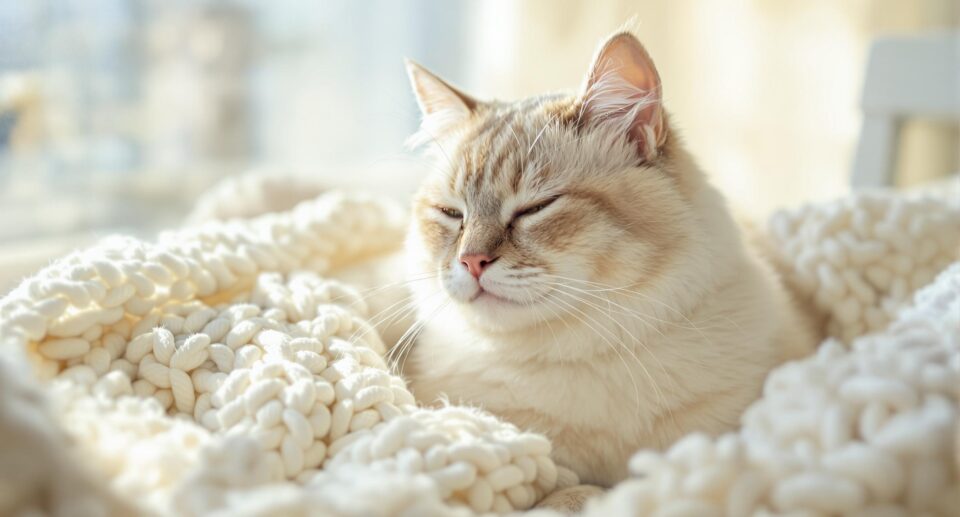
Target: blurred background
{"type": "Point", "coordinates": [115, 115]}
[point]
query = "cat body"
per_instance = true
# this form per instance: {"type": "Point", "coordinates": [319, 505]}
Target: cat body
{"type": "Point", "coordinates": [575, 273]}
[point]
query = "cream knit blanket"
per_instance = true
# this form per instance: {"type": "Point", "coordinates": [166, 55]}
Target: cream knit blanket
{"type": "Point", "coordinates": [217, 371]}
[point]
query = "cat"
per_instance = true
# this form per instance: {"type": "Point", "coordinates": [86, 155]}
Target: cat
{"type": "Point", "coordinates": [575, 273]}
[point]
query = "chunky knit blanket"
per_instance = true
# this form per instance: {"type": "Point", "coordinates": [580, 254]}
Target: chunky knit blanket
{"type": "Point", "coordinates": [219, 370]}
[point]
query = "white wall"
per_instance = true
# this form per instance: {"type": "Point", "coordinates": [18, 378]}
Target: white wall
{"type": "Point", "coordinates": [766, 93]}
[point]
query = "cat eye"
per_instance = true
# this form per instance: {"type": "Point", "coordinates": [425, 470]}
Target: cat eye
{"type": "Point", "coordinates": [532, 209]}
{"type": "Point", "coordinates": [452, 213]}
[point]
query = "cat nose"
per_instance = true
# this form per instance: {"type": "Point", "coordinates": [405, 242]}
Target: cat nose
{"type": "Point", "coordinates": [476, 263]}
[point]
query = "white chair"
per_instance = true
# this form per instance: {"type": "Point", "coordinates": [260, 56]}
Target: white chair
{"type": "Point", "coordinates": [917, 76]}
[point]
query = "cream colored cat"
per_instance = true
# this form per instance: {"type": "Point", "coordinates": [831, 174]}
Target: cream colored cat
{"type": "Point", "coordinates": [577, 275]}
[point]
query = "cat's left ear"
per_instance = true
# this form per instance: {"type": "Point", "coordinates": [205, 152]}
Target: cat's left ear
{"type": "Point", "coordinates": [441, 105]}
{"type": "Point", "coordinates": [623, 90]}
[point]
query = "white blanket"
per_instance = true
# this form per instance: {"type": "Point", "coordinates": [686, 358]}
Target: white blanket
{"type": "Point", "coordinates": [218, 371]}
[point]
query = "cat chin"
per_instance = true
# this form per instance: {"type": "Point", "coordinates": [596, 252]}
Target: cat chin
{"type": "Point", "coordinates": [496, 314]}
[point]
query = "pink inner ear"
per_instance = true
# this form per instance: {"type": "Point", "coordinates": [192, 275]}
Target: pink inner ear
{"type": "Point", "coordinates": [625, 56]}
{"type": "Point", "coordinates": [624, 89]}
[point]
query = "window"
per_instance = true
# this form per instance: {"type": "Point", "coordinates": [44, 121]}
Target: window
{"type": "Point", "coordinates": [116, 114]}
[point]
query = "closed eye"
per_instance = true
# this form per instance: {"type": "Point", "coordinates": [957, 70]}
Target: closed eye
{"type": "Point", "coordinates": [452, 213]}
{"type": "Point", "coordinates": [534, 208]}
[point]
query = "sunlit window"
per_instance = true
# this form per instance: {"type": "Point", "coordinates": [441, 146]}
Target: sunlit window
{"type": "Point", "coordinates": [116, 114]}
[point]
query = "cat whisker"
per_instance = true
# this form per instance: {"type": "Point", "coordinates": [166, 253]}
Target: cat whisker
{"type": "Point", "coordinates": [507, 284]}
{"type": "Point", "coordinates": [407, 306]}
{"type": "Point", "coordinates": [666, 374]}
{"type": "Point", "coordinates": [369, 292]}
{"type": "Point", "coordinates": [516, 138]}
{"type": "Point", "coordinates": [559, 317]}
{"type": "Point", "coordinates": [633, 313]}
{"type": "Point", "coordinates": [547, 323]}
{"type": "Point", "coordinates": [608, 288]}
{"type": "Point", "coordinates": [525, 274]}
{"type": "Point", "coordinates": [436, 142]}
{"type": "Point", "coordinates": [610, 303]}
{"type": "Point", "coordinates": [627, 312]}
{"type": "Point", "coordinates": [634, 338]}
{"type": "Point", "coordinates": [408, 339]}
{"type": "Point", "coordinates": [398, 348]}
{"type": "Point", "coordinates": [539, 134]}
{"type": "Point", "coordinates": [599, 332]}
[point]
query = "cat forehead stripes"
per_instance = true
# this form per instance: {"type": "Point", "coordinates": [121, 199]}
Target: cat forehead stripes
{"type": "Point", "coordinates": [505, 147]}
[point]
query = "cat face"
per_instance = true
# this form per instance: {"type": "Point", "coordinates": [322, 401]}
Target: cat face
{"type": "Point", "coordinates": [536, 204]}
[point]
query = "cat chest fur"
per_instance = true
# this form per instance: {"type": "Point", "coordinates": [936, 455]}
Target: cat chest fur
{"type": "Point", "coordinates": [600, 406]}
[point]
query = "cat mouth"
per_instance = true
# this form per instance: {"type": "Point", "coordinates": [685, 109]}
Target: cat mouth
{"type": "Point", "coordinates": [484, 295]}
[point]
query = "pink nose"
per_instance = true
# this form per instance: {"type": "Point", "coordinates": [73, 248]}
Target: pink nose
{"type": "Point", "coordinates": [476, 263]}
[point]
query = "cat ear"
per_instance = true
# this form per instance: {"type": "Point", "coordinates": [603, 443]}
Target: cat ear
{"type": "Point", "coordinates": [441, 105]}
{"type": "Point", "coordinates": [623, 90]}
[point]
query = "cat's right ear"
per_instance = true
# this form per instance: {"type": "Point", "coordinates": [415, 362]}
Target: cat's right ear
{"type": "Point", "coordinates": [442, 106]}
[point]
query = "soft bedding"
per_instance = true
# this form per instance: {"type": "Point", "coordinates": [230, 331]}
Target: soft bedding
{"type": "Point", "coordinates": [222, 370]}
